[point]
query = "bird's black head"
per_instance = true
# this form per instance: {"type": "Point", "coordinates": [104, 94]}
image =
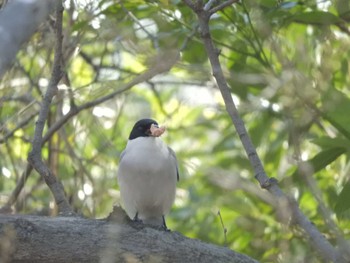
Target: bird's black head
{"type": "Point", "coordinates": [142, 128]}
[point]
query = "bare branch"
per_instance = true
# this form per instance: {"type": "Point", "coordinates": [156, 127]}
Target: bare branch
{"type": "Point", "coordinates": [34, 157]}
{"type": "Point", "coordinates": [15, 193]}
{"type": "Point", "coordinates": [208, 5]}
{"type": "Point", "coordinates": [222, 6]}
{"type": "Point", "coordinates": [19, 126]}
{"type": "Point", "coordinates": [325, 249]}
{"type": "Point", "coordinates": [133, 17]}
{"type": "Point", "coordinates": [16, 31]}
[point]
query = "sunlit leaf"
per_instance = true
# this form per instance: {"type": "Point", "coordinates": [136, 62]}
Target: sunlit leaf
{"type": "Point", "coordinates": [324, 158]}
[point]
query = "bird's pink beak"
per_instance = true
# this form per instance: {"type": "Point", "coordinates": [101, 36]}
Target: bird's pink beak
{"type": "Point", "coordinates": [156, 131]}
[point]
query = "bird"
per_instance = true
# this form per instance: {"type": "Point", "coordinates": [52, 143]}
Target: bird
{"type": "Point", "coordinates": [147, 174]}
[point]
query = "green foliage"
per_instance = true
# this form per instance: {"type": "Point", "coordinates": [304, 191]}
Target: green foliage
{"type": "Point", "coordinates": [316, 18]}
{"type": "Point", "coordinates": [288, 69]}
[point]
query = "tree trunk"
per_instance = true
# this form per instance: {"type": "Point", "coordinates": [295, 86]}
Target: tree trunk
{"type": "Point", "coordinates": [37, 239]}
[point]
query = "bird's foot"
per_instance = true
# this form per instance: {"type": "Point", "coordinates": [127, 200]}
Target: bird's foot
{"type": "Point", "coordinates": [164, 227]}
{"type": "Point", "coordinates": [136, 222]}
{"type": "Point", "coordinates": [136, 218]}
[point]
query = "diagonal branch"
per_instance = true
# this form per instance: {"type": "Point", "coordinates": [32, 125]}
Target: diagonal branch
{"type": "Point", "coordinates": [144, 29]}
{"type": "Point", "coordinates": [6, 208]}
{"type": "Point", "coordinates": [222, 6]}
{"type": "Point", "coordinates": [8, 134]}
{"type": "Point", "coordinates": [35, 157]}
{"type": "Point", "coordinates": [325, 249]}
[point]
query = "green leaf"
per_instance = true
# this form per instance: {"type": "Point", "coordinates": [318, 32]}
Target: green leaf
{"type": "Point", "coordinates": [335, 109]}
{"type": "Point", "coordinates": [342, 206]}
{"type": "Point", "coordinates": [80, 25]}
{"type": "Point", "coordinates": [327, 142]}
{"type": "Point", "coordinates": [268, 3]}
{"type": "Point", "coordinates": [194, 53]}
{"type": "Point", "coordinates": [342, 6]}
{"type": "Point", "coordinates": [324, 158]}
{"type": "Point", "coordinates": [316, 18]}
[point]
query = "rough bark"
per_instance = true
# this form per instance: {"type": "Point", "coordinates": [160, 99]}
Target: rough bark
{"type": "Point", "coordinates": [74, 239]}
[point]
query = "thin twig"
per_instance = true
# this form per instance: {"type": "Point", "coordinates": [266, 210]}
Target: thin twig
{"type": "Point", "coordinates": [222, 6]}
{"type": "Point", "coordinates": [158, 99]}
{"type": "Point", "coordinates": [15, 193]}
{"type": "Point", "coordinates": [12, 160]}
{"type": "Point", "coordinates": [260, 50]}
{"type": "Point", "coordinates": [223, 227]}
{"type": "Point", "coordinates": [131, 15]}
{"type": "Point", "coordinates": [19, 126]}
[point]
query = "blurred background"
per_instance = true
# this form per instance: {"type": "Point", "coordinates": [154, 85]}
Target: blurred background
{"type": "Point", "coordinates": [287, 64]}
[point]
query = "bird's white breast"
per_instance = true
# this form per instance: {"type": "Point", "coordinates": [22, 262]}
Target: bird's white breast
{"type": "Point", "coordinates": [147, 153]}
{"type": "Point", "coordinates": [147, 178]}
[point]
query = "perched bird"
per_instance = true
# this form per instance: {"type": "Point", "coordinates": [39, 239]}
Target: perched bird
{"type": "Point", "coordinates": [147, 174]}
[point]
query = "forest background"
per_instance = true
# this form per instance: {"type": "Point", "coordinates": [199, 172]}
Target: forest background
{"type": "Point", "coordinates": [287, 66]}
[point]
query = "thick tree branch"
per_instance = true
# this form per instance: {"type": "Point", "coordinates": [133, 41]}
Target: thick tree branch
{"type": "Point", "coordinates": [325, 249]}
{"type": "Point", "coordinates": [14, 32]}
{"type": "Point", "coordinates": [74, 239]}
{"type": "Point", "coordinates": [35, 157]}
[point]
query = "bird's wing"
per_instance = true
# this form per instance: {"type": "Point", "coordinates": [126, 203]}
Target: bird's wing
{"type": "Point", "coordinates": [173, 155]}
{"type": "Point", "coordinates": [122, 155]}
